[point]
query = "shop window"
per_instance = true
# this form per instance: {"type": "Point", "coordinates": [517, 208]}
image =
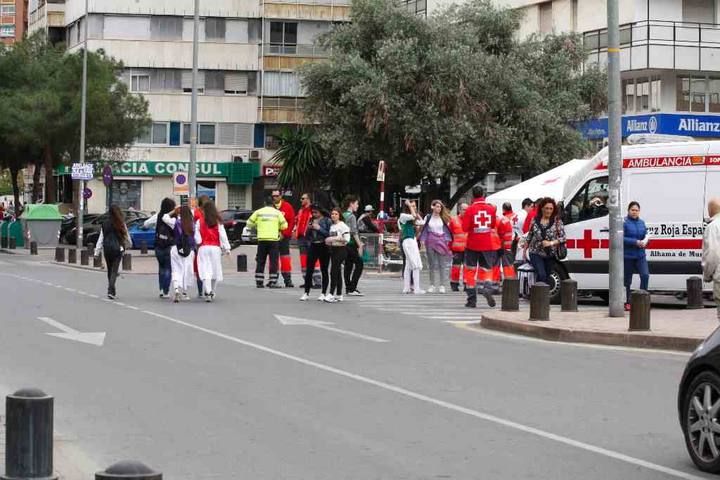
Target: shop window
{"type": "Point", "coordinates": [590, 202]}
{"type": "Point", "coordinates": [207, 188]}
{"type": "Point", "coordinates": [127, 194]}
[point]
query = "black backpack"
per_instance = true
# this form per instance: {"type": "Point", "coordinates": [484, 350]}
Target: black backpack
{"type": "Point", "coordinates": [111, 242]}
{"type": "Point", "coordinates": [164, 235]}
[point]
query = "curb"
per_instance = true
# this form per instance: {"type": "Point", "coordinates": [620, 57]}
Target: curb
{"type": "Point", "coordinates": [568, 335]}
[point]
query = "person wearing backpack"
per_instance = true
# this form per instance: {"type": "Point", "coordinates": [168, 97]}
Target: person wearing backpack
{"type": "Point", "coordinates": [182, 254]}
{"type": "Point", "coordinates": [113, 240]}
{"type": "Point", "coordinates": [164, 241]}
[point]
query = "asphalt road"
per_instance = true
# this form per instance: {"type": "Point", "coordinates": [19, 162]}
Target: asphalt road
{"type": "Point", "coordinates": [385, 389]}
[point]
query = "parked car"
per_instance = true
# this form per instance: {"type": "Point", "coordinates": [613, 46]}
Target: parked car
{"type": "Point", "coordinates": [69, 222]}
{"type": "Point", "coordinates": [92, 237]}
{"type": "Point", "coordinates": [249, 235]}
{"type": "Point", "coordinates": [234, 222]}
{"type": "Point", "coordinates": [699, 404]}
{"type": "Point", "coordinates": [91, 228]}
{"type": "Point", "coordinates": [139, 234]}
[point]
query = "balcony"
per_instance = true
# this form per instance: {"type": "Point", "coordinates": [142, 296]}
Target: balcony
{"type": "Point", "coordinates": [659, 44]}
{"type": "Point", "coordinates": [290, 57]}
{"type": "Point", "coordinates": [330, 10]}
{"type": "Point", "coordinates": [281, 110]}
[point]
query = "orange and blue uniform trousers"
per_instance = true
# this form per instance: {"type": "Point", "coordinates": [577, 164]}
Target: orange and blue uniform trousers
{"type": "Point", "coordinates": [284, 244]}
{"type": "Point", "coordinates": [457, 247]}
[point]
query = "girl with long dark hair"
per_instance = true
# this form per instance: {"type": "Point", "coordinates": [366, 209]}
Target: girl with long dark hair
{"type": "Point", "coordinates": [182, 254]}
{"type": "Point", "coordinates": [112, 241]}
{"type": "Point", "coordinates": [436, 236]}
{"type": "Point", "coordinates": [164, 241]}
{"type": "Point", "coordinates": [545, 239]}
{"type": "Point", "coordinates": [337, 241]}
{"type": "Point", "coordinates": [317, 231]}
{"type": "Point", "coordinates": [408, 220]}
{"type": "Point", "coordinates": [213, 242]}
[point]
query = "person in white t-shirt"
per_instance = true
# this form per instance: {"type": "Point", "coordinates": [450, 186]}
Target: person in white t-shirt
{"type": "Point", "coordinates": [337, 241]}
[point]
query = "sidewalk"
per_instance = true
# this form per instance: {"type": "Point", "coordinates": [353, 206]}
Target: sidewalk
{"type": "Point", "coordinates": [671, 328]}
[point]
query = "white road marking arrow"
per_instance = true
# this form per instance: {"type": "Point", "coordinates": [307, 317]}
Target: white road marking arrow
{"type": "Point", "coordinates": [285, 320]}
{"type": "Point", "coordinates": [92, 338]}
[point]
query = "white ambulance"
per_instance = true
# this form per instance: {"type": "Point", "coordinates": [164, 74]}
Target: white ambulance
{"type": "Point", "coordinates": [672, 182]}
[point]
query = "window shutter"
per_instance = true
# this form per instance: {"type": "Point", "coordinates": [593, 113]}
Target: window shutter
{"type": "Point", "coordinates": [187, 80]}
{"type": "Point", "coordinates": [236, 82]}
{"type": "Point", "coordinates": [235, 134]}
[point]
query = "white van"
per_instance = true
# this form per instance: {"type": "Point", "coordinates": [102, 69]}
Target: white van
{"type": "Point", "coordinates": [672, 182]}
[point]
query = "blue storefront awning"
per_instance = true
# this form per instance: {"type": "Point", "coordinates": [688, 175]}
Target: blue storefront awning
{"type": "Point", "coordinates": [706, 126]}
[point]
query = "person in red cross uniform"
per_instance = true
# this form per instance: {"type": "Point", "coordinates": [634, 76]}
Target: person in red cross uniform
{"type": "Point", "coordinates": [506, 233]}
{"type": "Point", "coordinates": [285, 260]}
{"type": "Point", "coordinates": [479, 223]}
{"type": "Point", "coordinates": [458, 247]}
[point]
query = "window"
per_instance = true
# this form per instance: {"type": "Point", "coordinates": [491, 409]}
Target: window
{"type": "Point", "coordinates": [166, 80]}
{"type": "Point", "coordinates": [7, 10]}
{"type": "Point", "coordinates": [235, 134]}
{"type": "Point", "coordinates": [187, 81]}
{"type": "Point", "coordinates": [206, 134]}
{"type": "Point", "coordinates": [545, 19]}
{"type": "Point", "coordinates": [641, 95]}
{"type": "Point", "coordinates": [166, 28]}
{"type": "Point", "coordinates": [283, 37]}
{"type": "Point", "coordinates": [156, 134]}
{"type": "Point", "coordinates": [590, 202]}
{"type": "Point", "coordinates": [282, 84]}
{"type": "Point", "coordinates": [713, 93]}
{"type": "Point", "coordinates": [7, 30]}
{"type": "Point", "coordinates": [215, 82]}
{"type": "Point", "coordinates": [127, 194]}
{"type": "Point", "coordinates": [691, 94]}
{"type": "Point", "coordinates": [214, 29]}
{"type": "Point", "coordinates": [236, 83]}
{"type": "Point", "coordinates": [700, 11]}
{"type": "Point", "coordinates": [140, 82]}
{"type": "Point", "coordinates": [126, 27]}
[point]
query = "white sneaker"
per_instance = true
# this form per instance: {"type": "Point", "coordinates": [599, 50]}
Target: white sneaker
{"type": "Point", "coordinates": [321, 298]}
{"type": "Point", "coordinates": [304, 297]}
{"type": "Point", "coordinates": [406, 291]}
{"type": "Point", "coordinates": [355, 293]}
{"type": "Point", "coordinates": [431, 289]}
{"type": "Point", "coordinates": [441, 290]}
{"type": "Point", "coordinates": [420, 292]}
{"type": "Point", "coordinates": [176, 297]}
{"type": "Point", "coordinates": [330, 299]}
{"type": "Point", "coordinates": [340, 298]}
{"type": "Point", "coordinates": [162, 294]}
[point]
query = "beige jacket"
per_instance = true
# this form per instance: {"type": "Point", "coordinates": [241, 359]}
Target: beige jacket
{"type": "Point", "coordinates": [711, 254]}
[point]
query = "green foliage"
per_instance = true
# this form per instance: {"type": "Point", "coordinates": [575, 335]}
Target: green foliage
{"type": "Point", "coordinates": [457, 94]}
{"type": "Point", "coordinates": [302, 159]}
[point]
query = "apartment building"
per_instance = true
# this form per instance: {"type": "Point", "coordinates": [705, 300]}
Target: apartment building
{"type": "Point", "coordinates": [13, 20]}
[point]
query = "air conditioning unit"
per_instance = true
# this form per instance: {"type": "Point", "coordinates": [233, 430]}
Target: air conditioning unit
{"type": "Point", "coordinates": [240, 159]}
{"type": "Point", "coordinates": [255, 155]}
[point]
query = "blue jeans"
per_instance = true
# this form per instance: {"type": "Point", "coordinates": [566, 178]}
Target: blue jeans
{"type": "Point", "coordinates": [639, 265]}
{"type": "Point", "coordinates": [164, 268]}
{"type": "Point", "coordinates": [543, 267]}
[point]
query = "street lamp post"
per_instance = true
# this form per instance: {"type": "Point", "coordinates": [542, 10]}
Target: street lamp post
{"type": "Point", "coordinates": [83, 122]}
{"type": "Point", "coordinates": [615, 163]}
{"type": "Point", "coordinates": [193, 105]}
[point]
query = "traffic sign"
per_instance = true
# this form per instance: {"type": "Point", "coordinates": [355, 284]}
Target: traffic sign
{"type": "Point", "coordinates": [82, 171]}
{"type": "Point", "coordinates": [381, 171]}
{"type": "Point", "coordinates": [181, 185]}
{"type": "Point", "coordinates": [87, 194]}
{"type": "Point", "coordinates": [107, 174]}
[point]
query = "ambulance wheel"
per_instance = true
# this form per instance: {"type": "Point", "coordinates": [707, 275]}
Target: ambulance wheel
{"type": "Point", "coordinates": [556, 277]}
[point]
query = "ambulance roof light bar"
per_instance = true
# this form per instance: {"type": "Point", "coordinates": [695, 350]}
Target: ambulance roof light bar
{"type": "Point", "coordinates": [645, 138]}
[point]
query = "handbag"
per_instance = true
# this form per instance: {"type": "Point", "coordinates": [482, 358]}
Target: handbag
{"type": "Point", "coordinates": [561, 250]}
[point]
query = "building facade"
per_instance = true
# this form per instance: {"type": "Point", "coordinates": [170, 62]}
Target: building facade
{"type": "Point", "coordinates": [248, 87]}
{"type": "Point", "coordinates": [13, 20]}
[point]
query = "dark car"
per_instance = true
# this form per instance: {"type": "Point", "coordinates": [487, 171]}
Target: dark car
{"type": "Point", "coordinates": [69, 223]}
{"type": "Point", "coordinates": [138, 234]}
{"type": "Point", "coordinates": [234, 222]}
{"type": "Point", "coordinates": [699, 404]}
{"type": "Point", "coordinates": [91, 228]}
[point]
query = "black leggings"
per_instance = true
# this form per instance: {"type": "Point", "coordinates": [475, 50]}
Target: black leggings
{"type": "Point", "coordinates": [317, 251]}
{"type": "Point", "coordinates": [338, 256]}
{"type": "Point", "coordinates": [113, 268]}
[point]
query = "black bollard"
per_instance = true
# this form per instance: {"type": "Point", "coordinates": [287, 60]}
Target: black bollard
{"type": "Point", "coordinates": [33, 248]}
{"type": "Point", "coordinates": [540, 302]}
{"type": "Point", "coordinates": [85, 257]}
{"type": "Point", "coordinates": [568, 296]}
{"type": "Point", "coordinates": [695, 293]}
{"type": "Point", "coordinates": [12, 243]}
{"type": "Point", "coordinates": [29, 435]}
{"type": "Point", "coordinates": [510, 295]}
{"type": "Point", "coordinates": [242, 263]}
{"type": "Point", "coordinates": [143, 248]}
{"type": "Point", "coordinates": [128, 470]}
{"type": "Point", "coordinates": [60, 254]}
{"type": "Point", "coordinates": [97, 262]}
{"type": "Point", "coordinates": [640, 311]}
{"type": "Point", "coordinates": [72, 256]}
{"type": "Point", "coordinates": [127, 262]}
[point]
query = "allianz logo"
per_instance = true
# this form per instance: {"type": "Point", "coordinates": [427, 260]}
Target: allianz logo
{"type": "Point", "coordinates": [635, 126]}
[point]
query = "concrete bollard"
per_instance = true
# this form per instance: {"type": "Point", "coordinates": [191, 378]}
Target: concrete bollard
{"type": "Point", "coordinates": [540, 302]}
{"type": "Point", "coordinates": [97, 262]}
{"type": "Point", "coordinates": [510, 295]}
{"type": "Point", "coordinates": [242, 263]}
{"type": "Point", "coordinates": [127, 262]}
{"type": "Point", "coordinates": [695, 293]}
{"type": "Point", "coordinates": [143, 248]}
{"type": "Point", "coordinates": [33, 248]}
{"type": "Point", "coordinates": [29, 435]}
{"type": "Point", "coordinates": [72, 256]}
{"type": "Point", "coordinates": [85, 257]}
{"type": "Point", "coordinates": [640, 311]}
{"type": "Point", "coordinates": [60, 254]}
{"type": "Point", "coordinates": [568, 296]}
{"type": "Point", "coordinates": [12, 243]}
{"type": "Point", "coordinates": [128, 470]}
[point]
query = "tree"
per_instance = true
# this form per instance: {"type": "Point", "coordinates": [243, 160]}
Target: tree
{"type": "Point", "coordinates": [455, 95]}
{"type": "Point", "coordinates": [302, 160]}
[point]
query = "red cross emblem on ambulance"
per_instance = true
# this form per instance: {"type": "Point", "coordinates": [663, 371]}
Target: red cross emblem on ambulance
{"type": "Point", "coordinates": [482, 220]}
{"type": "Point", "coordinates": [588, 244]}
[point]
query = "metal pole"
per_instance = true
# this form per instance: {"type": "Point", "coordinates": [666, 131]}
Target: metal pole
{"type": "Point", "coordinates": [193, 106]}
{"type": "Point", "coordinates": [615, 163]}
{"type": "Point", "coordinates": [83, 122]}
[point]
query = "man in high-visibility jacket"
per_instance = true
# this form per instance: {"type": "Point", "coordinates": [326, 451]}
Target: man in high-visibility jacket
{"type": "Point", "coordinates": [285, 260]}
{"type": "Point", "coordinates": [269, 223]}
{"type": "Point", "coordinates": [480, 254]}
{"type": "Point", "coordinates": [457, 247]}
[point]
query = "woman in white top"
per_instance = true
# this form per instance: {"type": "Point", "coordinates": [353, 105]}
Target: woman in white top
{"type": "Point", "coordinates": [213, 242]}
{"type": "Point", "coordinates": [337, 241]}
{"type": "Point", "coordinates": [437, 237]}
{"type": "Point", "coordinates": [408, 220]}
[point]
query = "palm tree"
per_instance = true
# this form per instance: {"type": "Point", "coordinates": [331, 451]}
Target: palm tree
{"type": "Point", "coordinates": [302, 160]}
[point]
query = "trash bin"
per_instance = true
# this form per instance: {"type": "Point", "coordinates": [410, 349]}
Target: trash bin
{"type": "Point", "coordinates": [4, 234]}
{"type": "Point", "coordinates": [43, 224]}
{"type": "Point", "coordinates": [15, 230]}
